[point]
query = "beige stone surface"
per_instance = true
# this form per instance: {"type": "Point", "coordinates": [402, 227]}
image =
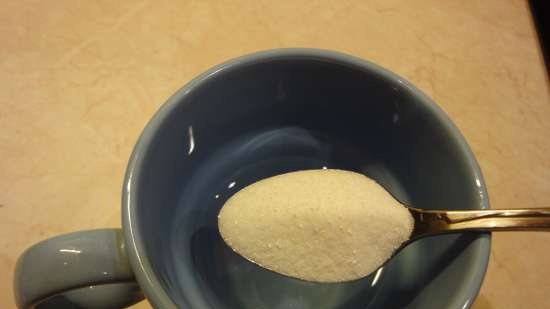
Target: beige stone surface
{"type": "Point", "coordinates": [79, 80]}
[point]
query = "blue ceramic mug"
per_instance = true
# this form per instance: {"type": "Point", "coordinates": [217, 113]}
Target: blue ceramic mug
{"type": "Point", "coordinates": [244, 120]}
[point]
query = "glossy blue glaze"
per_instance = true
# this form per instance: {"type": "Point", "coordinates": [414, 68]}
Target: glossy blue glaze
{"type": "Point", "coordinates": [286, 110]}
{"type": "Point", "coordinates": [86, 269]}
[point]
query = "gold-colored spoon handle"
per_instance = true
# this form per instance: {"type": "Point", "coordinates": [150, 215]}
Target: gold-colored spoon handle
{"type": "Point", "coordinates": [430, 222]}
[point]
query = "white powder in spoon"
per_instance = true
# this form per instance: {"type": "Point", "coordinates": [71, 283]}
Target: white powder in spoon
{"type": "Point", "coordinates": [316, 225]}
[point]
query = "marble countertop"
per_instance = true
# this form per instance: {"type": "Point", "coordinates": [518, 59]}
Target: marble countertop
{"type": "Point", "coordinates": [79, 80]}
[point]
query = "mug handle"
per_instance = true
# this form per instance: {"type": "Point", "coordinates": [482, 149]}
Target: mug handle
{"type": "Point", "coordinates": [86, 269]}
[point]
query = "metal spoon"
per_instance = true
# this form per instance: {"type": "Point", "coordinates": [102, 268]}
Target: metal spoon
{"type": "Point", "coordinates": [333, 246]}
{"type": "Point", "coordinates": [436, 222]}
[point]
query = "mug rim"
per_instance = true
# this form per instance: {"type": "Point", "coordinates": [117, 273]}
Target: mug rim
{"type": "Point", "coordinates": [143, 270]}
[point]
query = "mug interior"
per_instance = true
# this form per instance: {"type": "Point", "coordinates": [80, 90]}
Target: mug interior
{"type": "Point", "coordinates": [274, 113]}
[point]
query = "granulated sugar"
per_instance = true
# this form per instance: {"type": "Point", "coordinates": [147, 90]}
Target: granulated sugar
{"type": "Point", "coordinates": [316, 225]}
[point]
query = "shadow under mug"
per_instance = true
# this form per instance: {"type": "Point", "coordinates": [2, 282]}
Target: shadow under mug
{"type": "Point", "coordinates": [254, 117]}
